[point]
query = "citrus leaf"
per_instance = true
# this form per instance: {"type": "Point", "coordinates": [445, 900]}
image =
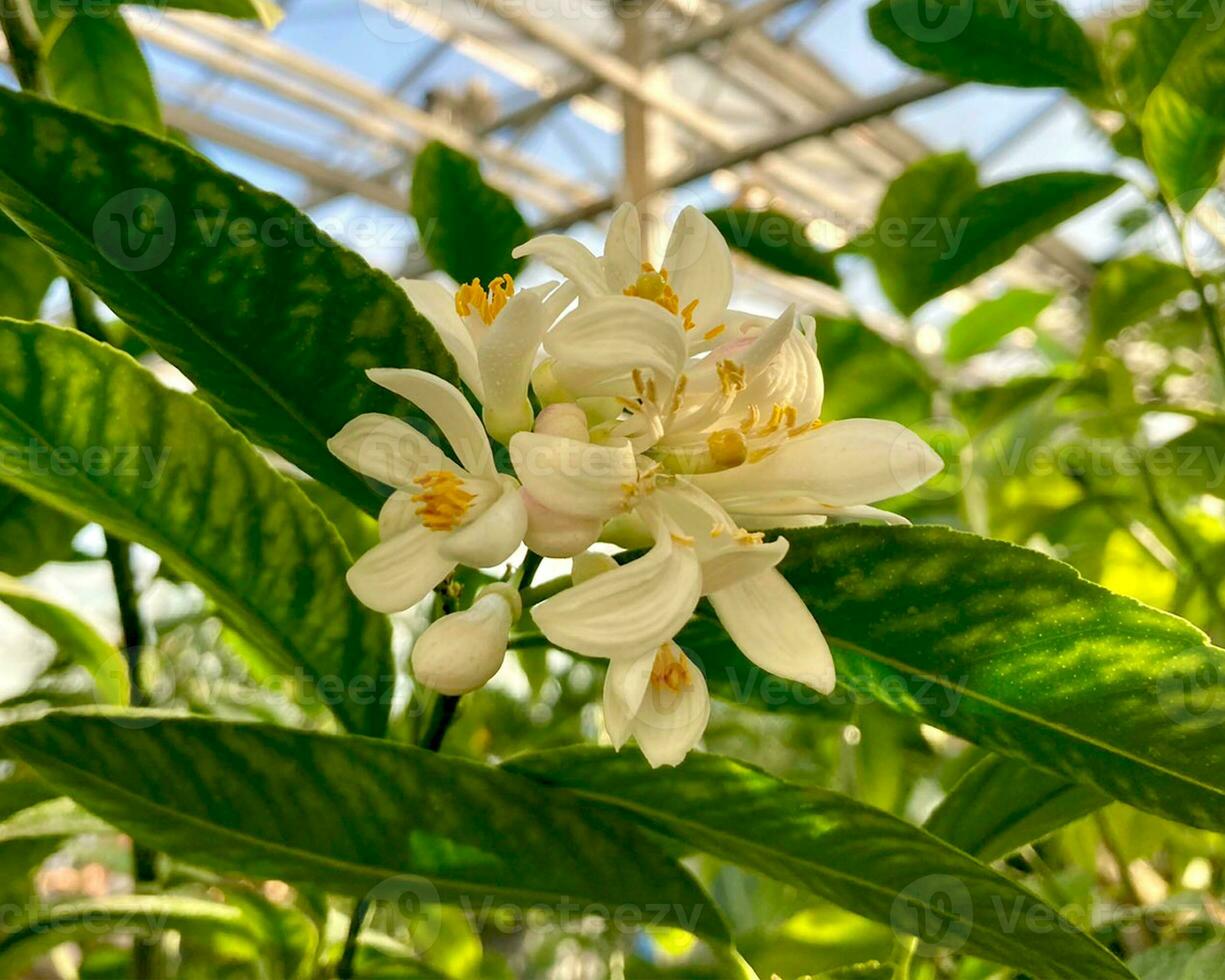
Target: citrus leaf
{"type": "Point", "coordinates": [466, 227]}
{"type": "Point", "coordinates": [93, 63]}
{"type": "Point", "coordinates": [77, 641]}
{"type": "Point", "coordinates": [366, 816]}
{"type": "Point", "coordinates": [1014, 651]}
{"type": "Point", "coordinates": [274, 322]}
{"type": "Point", "coordinates": [846, 852]}
{"type": "Point", "coordinates": [265, 11]}
{"type": "Point", "coordinates": [936, 229]}
{"type": "Point", "coordinates": [777, 240]}
{"type": "Point", "coordinates": [867, 376]}
{"type": "Point", "coordinates": [33, 533]}
{"type": "Point", "coordinates": [54, 818]}
{"type": "Point", "coordinates": [1002, 804]}
{"type": "Point", "coordinates": [990, 322]}
{"type": "Point", "coordinates": [26, 273]}
{"type": "Point", "coordinates": [1129, 290]}
{"type": "Point", "coordinates": [89, 429]}
{"type": "Point", "coordinates": [986, 41]}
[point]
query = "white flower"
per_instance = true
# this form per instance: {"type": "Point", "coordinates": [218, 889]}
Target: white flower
{"type": "Point", "coordinates": [463, 650]}
{"type": "Point", "coordinates": [494, 335]}
{"type": "Point", "coordinates": [442, 513]}
{"type": "Point", "coordinates": [661, 699]}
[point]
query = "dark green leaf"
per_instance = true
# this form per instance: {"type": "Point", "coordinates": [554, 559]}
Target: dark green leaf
{"type": "Point", "coordinates": [77, 641]}
{"type": "Point", "coordinates": [1195, 460]}
{"type": "Point", "coordinates": [273, 321]}
{"type": "Point", "coordinates": [93, 63]}
{"type": "Point", "coordinates": [33, 533]}
{"type": "Point", "coordinates": [848, 853]}
{"type": "Point", "coordinates": [26, 273]}
{"type": "Point", "coordinates": [986, 41]}
{"type": "Point", "coordinates": [265, 11]}
{"type": "Point", "coordinates": [1002, 804]}
{"type": "Point", "coordinates": [777, 240]}
{"type": "Point", "coordinates": [355, 816]}
{"type": "Point", "coordinates": [936, 229]}
{"type": "Point", "coordinates": [88, 428]}
{"type": "Point", "coordinates": [866, 376]}
{"type": "Point", "coordinates": [990, 322]}
{"type": "Point", "coordinates": [1012, 650]}
{"type": "Point", "coordinates": [467, 228]}
{"type": "Point", "coordinates": [1129, 290]}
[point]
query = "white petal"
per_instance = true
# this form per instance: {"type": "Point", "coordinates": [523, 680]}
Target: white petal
{"type": "Point", "coordinates": [856, 461]}
{"type": "Point", "coordinates": [553, 534]}
{"type": "Point", "coordinates": [450, 411]}
{"type": "Point", "coordinates": [699, 265]}
{"type": "Point", "coordinates": [461, 652]}
{"type": "Point", "coordinates": [401, 571]}
{"type": "Point", "coordinates": [625, 685]}
{"type": "Point", "coordinates": [624, 612]}
{"type": "Point", "coordinates": [778, 522]}
{"type": "Point", "coordinates": [669, 723]}
{"type": "Point", "coordinates": [493, 536]}
{"type": "Point", "coordinates": [574, 477]}
{"type": "Point", "coordinates": [598, 346]}
{"type": "Point", "coordinates": [506, 358]}
{"type": "Point", "coordinates": [769, 622]}
{"type": "Point", "coordinates": [863, 513]}
{"type": "Point", "coordinates": [387, 449]}
{"type": "Point", "coordinates": [437, 305]}
{"type": "Point", "coordinates": [623, 249]}
{"type": "Point", "coordinates": [570, 258]}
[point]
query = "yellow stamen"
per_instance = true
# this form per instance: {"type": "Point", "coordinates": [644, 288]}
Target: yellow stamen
{"type": "Point", "coordinates": [799, 430]}
{"type": "Point", "coordinates": [653, 286]}
{"type": "Point", "coordinates": [776, 419]}
{"type": "Point", "coordinates": [713, 332]}
{"type": "Point", "coordinates": [749, 537]}
{"type": "Point", "coordinates": [731, 377]}
{"type": "Point", "coordinates": [489, 303]}
{"type": "Point", "coordinates": [670, 670]}
{"type": "Point", "coordinates": [684, 540]}
{"type": "Point", "coordinates": [757, 455]}
{"type": "Point", "coordinates": [678, 396]}
{"type": "Point", "coordinates": [443, 500]}
{"type": "Point", "coordinates": [751, 418]}
{"type": "Point", "coordinates": [728, 447]}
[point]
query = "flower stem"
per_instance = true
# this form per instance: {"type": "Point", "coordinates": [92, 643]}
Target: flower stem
{"type": "Point", "coordinates": [541, 592]}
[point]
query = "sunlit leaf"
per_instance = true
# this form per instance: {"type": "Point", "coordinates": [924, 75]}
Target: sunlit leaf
{"type": "Point", "coordinates": [777, 240]}
{"type": "Point", "coordinates": [990, 322]}
{"type": "Point", "coordinates": [1129, 290]}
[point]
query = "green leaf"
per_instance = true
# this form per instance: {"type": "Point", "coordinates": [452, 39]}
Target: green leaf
{"type": "Point", "coordinates": [265, 11]}
{"type": "Point", "coordinates": [990, 322]}
{"type": "Point", "coordinates": [1002, 804]}
{"type": "Point", "coordinates": [1180, 961]}
{"type": "Point", "coordinates": [846, 852]}
{"type": "Point", "coordinates": [867, 376]}
{"type": "Point", "coordinates": [355, 816]}
{"type": "Point", "coordinates": [77, 641]}
{"type": "Point", "coordinates": [33, 533]}
{"type": "Point", "coordinates": [986, 41]}
{"type": "Point", "coordinates": [777, 240]}
{"type": "Point", "coordinates": [88, 428]}
{"type": "Point", "coordinates": [1195, 460]}
{"type": "Point", "coordinates": [467, 228]}
{"type": "Point", "coordinates": [1014, 651]}
{"type": "Point", "coordinates": [93, 63]}
{"type": "Point", "coordinates": [1139, 48]}
{"type": "Point", "coordinates": [26, 273]}
{"type": "Point", "coordinates": [936, 229]}
{"type": "Point", "coordinates": [1129, 290]}
{"type": "Point", "coordinates": [45, 929]}
{"type": "Point", "coordinates": [54, 818]}
{"type": "Point", "coordinates": [274, 322]}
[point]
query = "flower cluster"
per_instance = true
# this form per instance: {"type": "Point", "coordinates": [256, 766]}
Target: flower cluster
{"type": "Point", "coordinates": [668, 422]}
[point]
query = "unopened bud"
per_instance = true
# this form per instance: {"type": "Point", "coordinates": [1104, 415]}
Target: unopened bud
{"type": "Point", "coordinates": [556, 535]}
{"type": "Point", "coordinates": [590, 564]}
{"type": "Point", "coordinates": [548, 389]}
{"type": "Point", "coordinates": [462, 651]}
{"type": "Point", "coordinates": [502, 423]}
{"type": "Point", "coordinates": [563, 419]}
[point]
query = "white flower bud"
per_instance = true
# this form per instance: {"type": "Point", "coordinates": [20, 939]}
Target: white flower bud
{"type": "Point", "coordinates": [503, 423]}
{"type": "Point", "coordinates": [556, 535]}
{"type": "Point", "coordinates": [564, 419]}
{"type": "Point", "coordinates": [590, 564]}
{"type": "Point", "coordinates": [544, 382]}
{"type": "Point", "coordinates": [463, 650]}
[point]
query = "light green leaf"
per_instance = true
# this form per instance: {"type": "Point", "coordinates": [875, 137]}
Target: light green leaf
{"type": "Point", "coordinates": [936, 229]}
{"type": "Point", "coordinates": [77, 641]}
{"type": "Point", "coordinates": [777, 240]}
{"type": "Point", "coordinates": [45, 929]}
{"type": "Point", "coordinates": [1180, 961]}
{"type": "Point", "coordinates": [358, 530]}
{"type": "Point", "coordinates": [33, 533]}
{"type": "Point", "coordinates": [1002, 804]}
{"type": "Point", "coordinates": [367, 816]}
{"type": "Point", "coordinates": [846, 852]}
{"type": "Point", "coordinates": [159, 467]}
{"type": "Point", "coordinates": [1129, 290]}
{"type": "Point", "coordinates": [1139, 48]}
{"type": "Point", "coordinates": [990, 322]}
{"type": "Point", "coordinates": [986, 41]}
{"type": "Point", "coordinates": [466, 227]}
{"type": "Point", "coordinates": [54, 818]}
{"type": "Point", "coordinates": [1195, 461]}
{"type": "Point", "coordinates": [93, 63]}
{"type": "Point", "coordinates": [26, 273]}
{"type": "Point", "coordinates": [274, 322]}
{"type": "Point", "coordinates": [1014, 651]}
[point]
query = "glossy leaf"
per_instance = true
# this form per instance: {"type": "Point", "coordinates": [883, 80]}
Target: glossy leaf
{"type": "Point", "coordinates": [33, 533]}
{"type": "Point", "coordinates": [77, 641]}
{"type": "Point", "coordinates": [1002, 804]}
{"type": "Point", "coordinates": [467, 228]}
{"type": "Point", "coordinates": [986, 41]}
{"type": "Point", "coordinates": [273, 321]}
{"type": "Point", "coordinates": [367, 816]}
{"type": "Point", "coordinates": [990, 322]}
{"type": "Point", "coordinates": [93, 63]}
{"type": "Point", "coordinates": [90, 429]}
{"type": "Point", "coordinates": [1129, 290]}
{"type": "Point", "coordinates": [265, 11]}
{"type": "Point", "coordinates": [777, 240]}
{"type": "Point", "coordinates": [1014, 651]}
{"type": "Point", "coordinates": [936, 229]}
{"type": "Point", "coordinates": [846, 852]}
{"type": "Point", "coordinates": [26, 273]}
{"type": "Point", "coordinates": [54, 818]}
{"type": "Point", "coordinates": [867, 376]}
